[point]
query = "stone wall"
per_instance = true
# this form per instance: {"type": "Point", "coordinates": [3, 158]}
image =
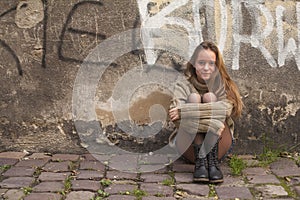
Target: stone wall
{"type": "Point", "coordinates": [44, 43]}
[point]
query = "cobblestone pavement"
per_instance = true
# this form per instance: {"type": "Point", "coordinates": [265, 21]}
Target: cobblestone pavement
{"type": "Point", "coordinates": [73, 177]}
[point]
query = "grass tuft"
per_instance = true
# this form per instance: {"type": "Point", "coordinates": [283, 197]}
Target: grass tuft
{"type": "Point", "coordinates": [237, 165]}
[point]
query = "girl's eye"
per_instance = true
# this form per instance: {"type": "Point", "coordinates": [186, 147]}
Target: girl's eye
{"type": "Point", "coordinates": [211, 63]}
{"type": "Point", "coordinates": [202, 63]}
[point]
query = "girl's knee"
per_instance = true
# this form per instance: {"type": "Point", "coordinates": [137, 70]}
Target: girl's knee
{"type": "Point", "coordinates": [209, 97]}
{"type": "Point", "coordinates": [194, 98]}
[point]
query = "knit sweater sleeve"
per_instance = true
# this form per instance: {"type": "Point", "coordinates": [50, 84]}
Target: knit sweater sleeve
{"type": "Point", "coordinates": [217, 110]}
{"type": "Point", "coordinates": [197, 117]}
{"type": "Point", "coordinates": [181, 92]}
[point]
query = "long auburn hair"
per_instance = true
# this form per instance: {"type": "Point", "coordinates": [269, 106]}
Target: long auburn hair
{"type": "Point", "coordinates": [231, 88]}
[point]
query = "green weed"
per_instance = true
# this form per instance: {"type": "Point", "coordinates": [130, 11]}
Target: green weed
{"type": "Point", "coordinates": [139, 193]}
{"type": "Point", "coordinates": [159, 195]}
{"type": "Point", "coordinates": [125, 193]}
{"type": "Point", "coordinates": [105, 182]}
{"type": "Point", "coordinates": [67, 186]}
{"type": "Point", "coordinates": [268, 156]}
{"type": "Point", "coordinates": [237, 165]}
{"type": "Point", "coordinates": [27, 190]}
{"type": "Point", "coordinates": [73, 165]}
{"type": "Point", "coordinates": [168, 181]}
{"type": "Point", "coordinates": [102, 194]}
{"type": "Point", "coordinates": [212, 191]}
{"type": "Point", "coordinates": [298, 161]}
{"type": "Point", "coordinates": [5, 167]}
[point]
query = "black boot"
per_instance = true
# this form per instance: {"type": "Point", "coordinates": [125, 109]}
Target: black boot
{"type": "Point", "coordinates": [200, 172]}
{"type": "Point", "coordinates": [214, 171]}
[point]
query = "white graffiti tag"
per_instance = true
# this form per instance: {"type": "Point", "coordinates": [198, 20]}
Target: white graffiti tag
{"type": "Point", "coordinates": [267, 23]}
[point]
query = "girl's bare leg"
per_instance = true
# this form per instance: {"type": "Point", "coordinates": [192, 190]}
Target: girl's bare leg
{"type": "Point", "coordinates": [183, 140]}
{"type": "Point", "coordinates": [209, 97]}
{"type": "Point", "coordinates": [194, 98]}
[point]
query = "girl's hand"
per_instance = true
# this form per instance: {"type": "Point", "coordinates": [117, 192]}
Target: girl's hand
{"type": "Point", "coordinates": [174, 114]}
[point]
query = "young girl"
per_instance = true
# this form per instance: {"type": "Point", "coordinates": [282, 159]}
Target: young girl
{"type": "Point", "coordinates": [204, 103]}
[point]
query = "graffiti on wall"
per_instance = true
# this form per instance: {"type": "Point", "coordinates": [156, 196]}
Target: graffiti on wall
{"type": "Point", "coordinates": [67, 28]}
{"type": "Point", "coordinates": [5, 46]}
{"type": "Point", "coordinates": [155, 14]}
{"type": "Point", "coordinates": [222, 20]}
{"type": "Point", "coordinates": [27, 14]}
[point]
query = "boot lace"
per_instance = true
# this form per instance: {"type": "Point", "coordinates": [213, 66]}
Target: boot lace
{"type": "Point", "coordinates": [213, 157]}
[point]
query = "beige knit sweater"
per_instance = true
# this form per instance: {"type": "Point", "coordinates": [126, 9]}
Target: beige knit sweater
{"type": "Point", "coordinates": [200, 117]}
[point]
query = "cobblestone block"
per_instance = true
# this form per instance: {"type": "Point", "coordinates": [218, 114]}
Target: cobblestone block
{"type": "Point", "coordinates": [49, 187]}
{"type": "Point", "coordinates": [57, 166]}
{"type": "Point", "coordinates": [263, 179]}
{"type": "Point", "coordinates": [117, 175]}
{"type": "Point", "coordinates": [86, 185]}
{"type": "Point", "coordinates": [103, 158]}
{"type": "Point", "coordinates": [234, 193]}
{"type": "Point", "coordinates": [272, 191]}
{"type": "Point", "coordinates": [92, 165]}
{"type": "Point", "coordinates": [158, 198]}
{"type": "Point", "coordinates": [96, 157]}
{"type": "Point", "coordinates": [232, 181]}
{"type": "Point", "coordinates": [154, 178]}
{"type": "Point", "coordinates": [183, 168]}
{"type": "Point", "coordinates": [34, 163]}
{"type": "Point", "coordinates": [65, 157]}
{"type": "Point", "coordinates": [126, 182]}
{"type": "Point", "coordinates": [226, 170]}
{"type": "Point", "coordinates": [13, 155]}
{"type": "Point", "coordinates": [297, 190]}
{"type": "Point", "coordinates": [120, 197]}
{"type": "Point", "coordinates": [295, 180]}
{"type": "Point", "coordinates": [154, 159]}
{"type": "Point", "coordinates": [39, 156]}
{"type": "Point", "coordinates": [17, 182]}
{"type": "Point", "coordinates": [259, 171]}
{"type": "Point", "coordinates": [19, 171]}
{"type": "Point", "coordinates": [80, 195]}
{"type": "Point", "coordinates": [157, 189]}
{"type": "Point", "coordinates": [125, 163]}
{"type": "Point", "coordinates": [158, 169]}
{"type": "Point", "coordinates": [51, 176]}
{"type": "Point", "coordinates": [199, 198]}
{"type": "Point", "coordinates": [194, 189]}
{"type": "Point", "coordinates": [8, 161]}
{"type": "Point", "coordinates": [285, 167]}
{"type": "Point", "coordinates": [120, 188]}
{"type": "Point", "coordinates": [87, 156]}
{"type": "Point", "coordinates": [14, 194]}
{"type": "Point", "coordinates": [40, 196]}
{"type": "Point", "coordinates": [89, 175]}
{"type": "Point", "coordinates": [183, 177]}
{"type": "Point", "coordinates": [2, 191]}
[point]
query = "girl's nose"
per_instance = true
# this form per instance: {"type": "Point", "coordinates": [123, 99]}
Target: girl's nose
{"type": "Point", "coordinates": [206, 66]}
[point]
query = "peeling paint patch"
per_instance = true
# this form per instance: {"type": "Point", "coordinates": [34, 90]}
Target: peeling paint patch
{"type": "Point", "coordinates": [156, 6]}
{"type": "Point", "coordinates": [143, 110]}
{"type": "Point", "coordinates": [287, 106]}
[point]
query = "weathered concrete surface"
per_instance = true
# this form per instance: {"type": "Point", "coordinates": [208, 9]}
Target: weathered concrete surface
{"type": "Point", "coordinates": [43, 43]}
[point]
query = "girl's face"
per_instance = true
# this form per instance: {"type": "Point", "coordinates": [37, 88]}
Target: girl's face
{"type": "Point", "coordinates": [205, 64]}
